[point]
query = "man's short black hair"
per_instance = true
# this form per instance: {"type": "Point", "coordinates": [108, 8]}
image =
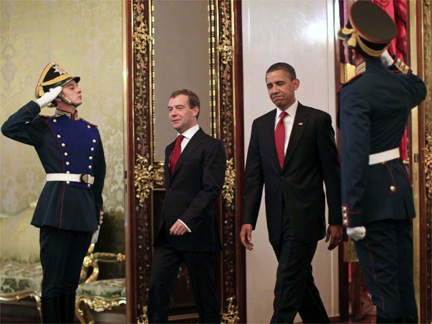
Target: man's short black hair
{"type": "Point", "coordinates": [289, 70]}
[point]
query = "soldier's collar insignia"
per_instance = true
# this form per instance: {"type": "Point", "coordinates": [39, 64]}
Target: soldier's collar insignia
{"type": "Point", "coordinates": [73, 116]}
{"type": "Point", "coordinates": [360, 68]}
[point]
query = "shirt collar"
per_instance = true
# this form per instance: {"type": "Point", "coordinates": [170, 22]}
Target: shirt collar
{"type": "Point", "coordinates": [291, 110]}
{"type": "Point", "coordinates": [190, 132]}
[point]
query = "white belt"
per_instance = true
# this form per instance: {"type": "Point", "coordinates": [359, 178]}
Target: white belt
{"type": "Point", "coordinates": [384, 156]}
{"type": "Point", "coordinates": [83, 178]}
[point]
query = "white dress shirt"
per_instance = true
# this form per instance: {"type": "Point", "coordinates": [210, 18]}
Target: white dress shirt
{"type": "Point", "coordinates": [188, 135]}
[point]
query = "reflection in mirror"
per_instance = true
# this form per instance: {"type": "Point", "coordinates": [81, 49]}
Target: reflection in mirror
{"type": "Point", "coordinates": [210, 65]}
{"type": "Point", "coordinates": [181, 33]}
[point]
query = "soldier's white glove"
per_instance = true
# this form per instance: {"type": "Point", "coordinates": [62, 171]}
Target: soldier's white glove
{"type": "Point", "coordinates": [49, 96]}
{"type": "Point", "coordinates": [95, 236]}
{"type": "Point", "coordinates": [387, 59]}
{"type": "Point", "coordinates": [356, 233]}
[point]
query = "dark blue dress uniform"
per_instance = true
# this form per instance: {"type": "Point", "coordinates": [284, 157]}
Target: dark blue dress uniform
{"type": "Point", "coordinates": [68, 211]}
{"type": "Point", "coordinates": [376, 192]}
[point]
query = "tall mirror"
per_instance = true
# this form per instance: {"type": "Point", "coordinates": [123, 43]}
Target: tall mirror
{"type": "Point", "coordinates": [181, 61]}
{"type": "Point", "coordinates": [172, 45]}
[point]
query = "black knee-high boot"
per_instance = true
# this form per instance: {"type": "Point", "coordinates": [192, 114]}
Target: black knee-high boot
{"type": "Point", "coordinates": [411, 319]}
{"type": "Point", "coordinates": [50, 309]}
{"type": "Point", "coordinates": [68, 308]}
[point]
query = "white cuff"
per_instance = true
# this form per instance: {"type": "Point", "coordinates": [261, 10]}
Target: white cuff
{"type": "Point", "coordinates": [188, 229]}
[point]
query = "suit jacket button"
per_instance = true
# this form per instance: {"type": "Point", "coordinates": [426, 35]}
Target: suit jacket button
{"type": "Point", "coordinates": [392, 188]}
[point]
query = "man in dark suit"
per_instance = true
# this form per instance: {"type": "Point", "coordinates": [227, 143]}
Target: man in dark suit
{"type": "Point", "coordinates": [377, 198]}
{"type": "Point", "coordinates": [69, 208]}
{"type": "Point", "coordinates": [194, 175]}
{"type": "Point", "coordinates": [292, 152]}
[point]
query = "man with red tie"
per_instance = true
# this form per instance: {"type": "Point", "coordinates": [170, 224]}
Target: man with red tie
{"type": "Point", "coordinates": [194, 175]}
{"type": "Point", "coordinates": [292, 152]}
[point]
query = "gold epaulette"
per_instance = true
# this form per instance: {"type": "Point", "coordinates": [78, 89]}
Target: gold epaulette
{"type": "Point", "coordinates": [404, 68]}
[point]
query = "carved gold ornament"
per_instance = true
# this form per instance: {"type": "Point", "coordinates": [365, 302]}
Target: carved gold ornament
{"type": "Point", "coordinates": [146, 175]}
{"type": "Point", "coordinates": [140, 36]}
{"type": "Point", "coordinates": [99, 304]}
{"type": "Point", "coordinates": [143, 319]}
{"type": "Point", "coordinates": [428, 165]}
{"type": "Point", "coordinates": [225, 47]}
{"type": "Point", "coordinates": [228, 190]}
{"type": "Point", "coordinates": [231, 316]}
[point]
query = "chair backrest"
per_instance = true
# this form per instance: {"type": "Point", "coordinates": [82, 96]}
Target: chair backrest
{"type": "Point", "coordinates": [19, 241]}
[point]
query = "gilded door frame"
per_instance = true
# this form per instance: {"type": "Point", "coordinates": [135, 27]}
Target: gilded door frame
{"type": "Point", "coordinates": [143, 175]}
{"type": "Point", "coordinates": [420, 29]}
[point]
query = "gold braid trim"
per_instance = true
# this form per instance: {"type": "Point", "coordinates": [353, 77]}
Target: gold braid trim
{"type": "Point", "coordinates": [367, 50]}
{"type": "Point", "coordinates": [355, 38]}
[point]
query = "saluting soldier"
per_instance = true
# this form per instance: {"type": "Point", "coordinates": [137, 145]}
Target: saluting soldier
{"type": "Point", "coordinates": [69, 209]}
{"type": "Point", "coordinates": [377, 200]}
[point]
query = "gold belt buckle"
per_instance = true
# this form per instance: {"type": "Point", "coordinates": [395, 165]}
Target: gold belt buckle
{"type": "Point", "coordinates": [84, 178]}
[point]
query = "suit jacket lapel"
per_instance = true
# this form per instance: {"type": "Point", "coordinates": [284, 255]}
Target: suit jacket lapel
{"type": "Point", "coordinates": [168, 152]}
{"type": "Point", "coordinates": [298, 127]}
{"type": "Point", "coordinates": [269, 130]}
{"type": "Point", "coordinates": [190, 147]}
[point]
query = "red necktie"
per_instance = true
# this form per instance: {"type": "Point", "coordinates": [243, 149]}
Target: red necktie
{"type": "Point", "coordinates": [175, 154]}
{"type": "Point", "coordinates": [280, 138]}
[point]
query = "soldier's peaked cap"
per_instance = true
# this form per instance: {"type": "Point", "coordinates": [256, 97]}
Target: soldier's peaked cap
{"type": "Point", "coordinates": [53, 76]}
{"type": "Point", "coordinates": [368, 26]}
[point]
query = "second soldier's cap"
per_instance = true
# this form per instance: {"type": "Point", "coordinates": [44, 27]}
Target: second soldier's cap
{"type": "Point", "coordinates": [53, 76]}
{"type": "Point", "coordinates": [369, 27]}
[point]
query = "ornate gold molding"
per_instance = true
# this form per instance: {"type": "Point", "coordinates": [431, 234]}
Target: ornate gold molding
{"type": "Point", "coordinates": [226, 68]}
{"type": "Point", "coordinates": [427, 105]}
{"type": "Point", "coordinates": [428, 165]}
{"type": "Point", "coordinates": [84, 304]}
{"type": "Point", "coordinates": [143, 319]}
{"type": "Point", "coordinates": [99, 304]}
{"type": "Point", "coordinates": [231, 316]}
{"type": "Point", "coordinates": [146, 176]}
{"type": "Point", "coordinates": [140, 37]}
{"type": "Point", "coordinates": [228, 190]}
{"type": "Point", "coordinates": [225, 47]}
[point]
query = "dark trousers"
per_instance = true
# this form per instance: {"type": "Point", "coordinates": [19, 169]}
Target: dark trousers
{"type": "Point", "coordinates": [295, 290]}
{"type": "Point", "coordinates": [201, 269]}
{"type": "Point", "coordinates": [62, 253]}
{"type": "Point", "coordinates": [386, 260]}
